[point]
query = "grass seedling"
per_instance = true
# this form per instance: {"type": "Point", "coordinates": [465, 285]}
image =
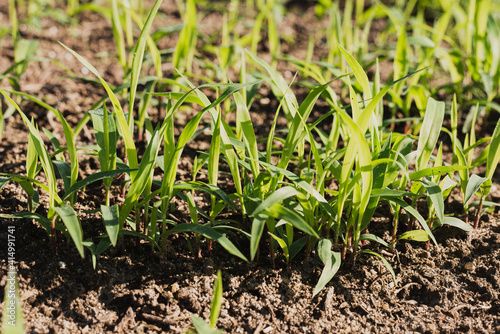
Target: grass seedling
{"type": "Point", "coordinates": [210, 328]}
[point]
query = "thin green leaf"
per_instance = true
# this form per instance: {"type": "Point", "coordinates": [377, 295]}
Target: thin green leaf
{"type": "Point", "coordinates": [458, 223]}
{"type": "Point", "coordinates": [415, 235]}
{"type": "Point", "coordinates": [384, 261]}
{"type": "Point", "coordinates": [436, 196]}
{"type": "Point", "coordinates": [475, 182]}
{"type": "Point", "coordinates": [331, 260]}
{"type": "Point", "coordinates": [417, 215]}
{"type": "Point", "coordinates": [72, 223]}
{"type": "Point", "coordinates": [429, 132]}
{"type": "Point", "coordinates": [216, 300]}
{"type": "Point", "coordinates": [494, 152]}
{"type": "Point", "coordinates": [122, 121]}
{"type": "Point", "coordinates": [202, 327]}
{"type": "Point", "coordinates": [139, 55]}
{"type": "Point", "coordinates": [433, 171]}
{"type": "Point", "coordinates": [110, 216]}
{"type": "Point", "coordinates": [278, 196]}
{"type": "Point", "coordinates": [210, 233]}
{"type": "Point", "coordinates": [93, 178]}
{"type": "Point", "coordinates": [291, 217]}
{"type": "Point", "coordinates": [357, 70]}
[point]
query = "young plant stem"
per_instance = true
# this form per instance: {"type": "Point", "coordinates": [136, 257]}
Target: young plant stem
{"type": "Point", "coordinates": [395, 220]}
{"type": "Point", "coordinates": [412, 218]}
{"type": "Point", "coordinates": [137, 225]}
{"type": "Point", "coordinates": [53, 234]}
{"type": "Point", "coordinates": [478, 212]}
{"type": "Point", "coordinates": [271, 250]}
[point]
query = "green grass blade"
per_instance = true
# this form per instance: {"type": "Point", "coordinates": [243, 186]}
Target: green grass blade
{"type": "Point", "coordinates": [64, 170]}
{"type": "Point", "coordinates": [122, 121]}
{"type": "Point", "coordinates": [305, 186]}
{"type": "Point", "coordinates": [144, 174]}
{"type": "Point", "coordinates": [72, 223]}
{"type": "Point", "coordinates": [216, 301]}
{"type": "Point", "coordinates": [93, 178]}
{"type": "Point", "coordinates": [290, 99]}
{"type": "Point", "coordinates": [204, 328]}
{"type": "Point", "coordinates": [258, 224]}
{"type": "Point", "coordinates": [436, 196]}
{"type": "Point", "coordinates": [210, 233]}
{"type": "Point", "coordinates": [433, 171]}
{"type": "Point", "coordinates": [110, 216]}
{"type": "Point", "coordinates": [106, 137]}
{"type": "Point", "coordinates": [415, 235]}
{"type": "Point", "coordinates": [118, 35]}
{"type": "Point", "coordinates": [42, 153]}
{"type": "Point", "coordinates": [184, 49]}
{"type": "Point", "coordinates": [243, 118]}
{"type": "Point", "coordinates": [494, 152]}
{"type": "Point", "coordinates": [358, 71]}
{"type": "Point", "coordinates": [214, 154]}
{"type": "Point", "coordinates": [429, 132]}
{"type": "Point", "coordinates": [139, 55]}
{"type": "Point", "coordinates": [292, 217]}
{"type": "Point", "coordinates": [458, 223]}
{"type": "Point", "coordinates": [401, 59]}
{"type": "Point", "coordinates": [415, 214]}
{"type": "Point", "coordinates": [276, 197]}
{"type": "Point", "coordinates": [331, 260]}
{"type": "Point", "coordinates": [475, 182]}
{"type": "Point", "coordinates": [359, 144]}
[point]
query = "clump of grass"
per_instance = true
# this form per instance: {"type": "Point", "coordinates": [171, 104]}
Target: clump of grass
{"type": "Point", "coordinates": [305, 189]}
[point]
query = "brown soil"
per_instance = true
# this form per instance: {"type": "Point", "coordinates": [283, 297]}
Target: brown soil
{"type": "Point", "coordinates": [453, 287]}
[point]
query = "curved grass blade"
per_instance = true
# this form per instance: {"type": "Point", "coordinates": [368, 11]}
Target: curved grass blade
{"type": "Point", "coordinates": [72, 223]}
{"type": "Point", "coordinates": [429, 131]}
{"type": "Point", "coordinates": [494, 152]}
{"type": "Point", "coordinates": [331, 260]}
{"type": "Point", "coordinates": [290, 99]}
{"type": "Point", "coordinates": [357, 70]}
{"type": "Point", "coordinates": [258, 224]}
{"type": "Point", "coordinates": [278, 196]}
{"type": "Point", "coordinates": [93, 178]}
{"type": "Point", "coordinates": [122, 121]}
{"type": "Point", "coordinates": [433, 171]}
{"type": "Point", "coordinates": [139, 55]}
{"type": "Point", "coordinates": [415, 235]}
{"type": "Point", "coordinates": [458, 223]}
{"type": "Point", "coordinates": [292, 217]}
{"type": "Point", "coordinates": [475, 182]}
{"type": "Point", "coordinates": [210, 233]}
{"type": "Point", "coordinates": [436, 196]}
{"type": "Point", "coordinates": [216, 301]}
{"type": "Point", "coordinates": [42, 153]}
{"type": "Point", "coordinates": [417, 215]}
{"type": "Point", "coordinates": [204, 328]}
{"type": "Point", "coordinates": [110, 216]}
{"type": "Point", "coordinates": [384, 261]}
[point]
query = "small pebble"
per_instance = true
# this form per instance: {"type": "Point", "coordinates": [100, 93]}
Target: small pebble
{"type": "Point", "coordinates": [469, 266]}
{"type": "Point", "coordinates": [62, 265]}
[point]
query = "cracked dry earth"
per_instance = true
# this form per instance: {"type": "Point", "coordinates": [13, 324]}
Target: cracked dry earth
{"type": "Point", "coordinates": [453, 287]}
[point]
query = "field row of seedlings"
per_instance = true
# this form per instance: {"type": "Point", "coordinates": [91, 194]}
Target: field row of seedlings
{"type": "Point", "coordinates": [378, 118]}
